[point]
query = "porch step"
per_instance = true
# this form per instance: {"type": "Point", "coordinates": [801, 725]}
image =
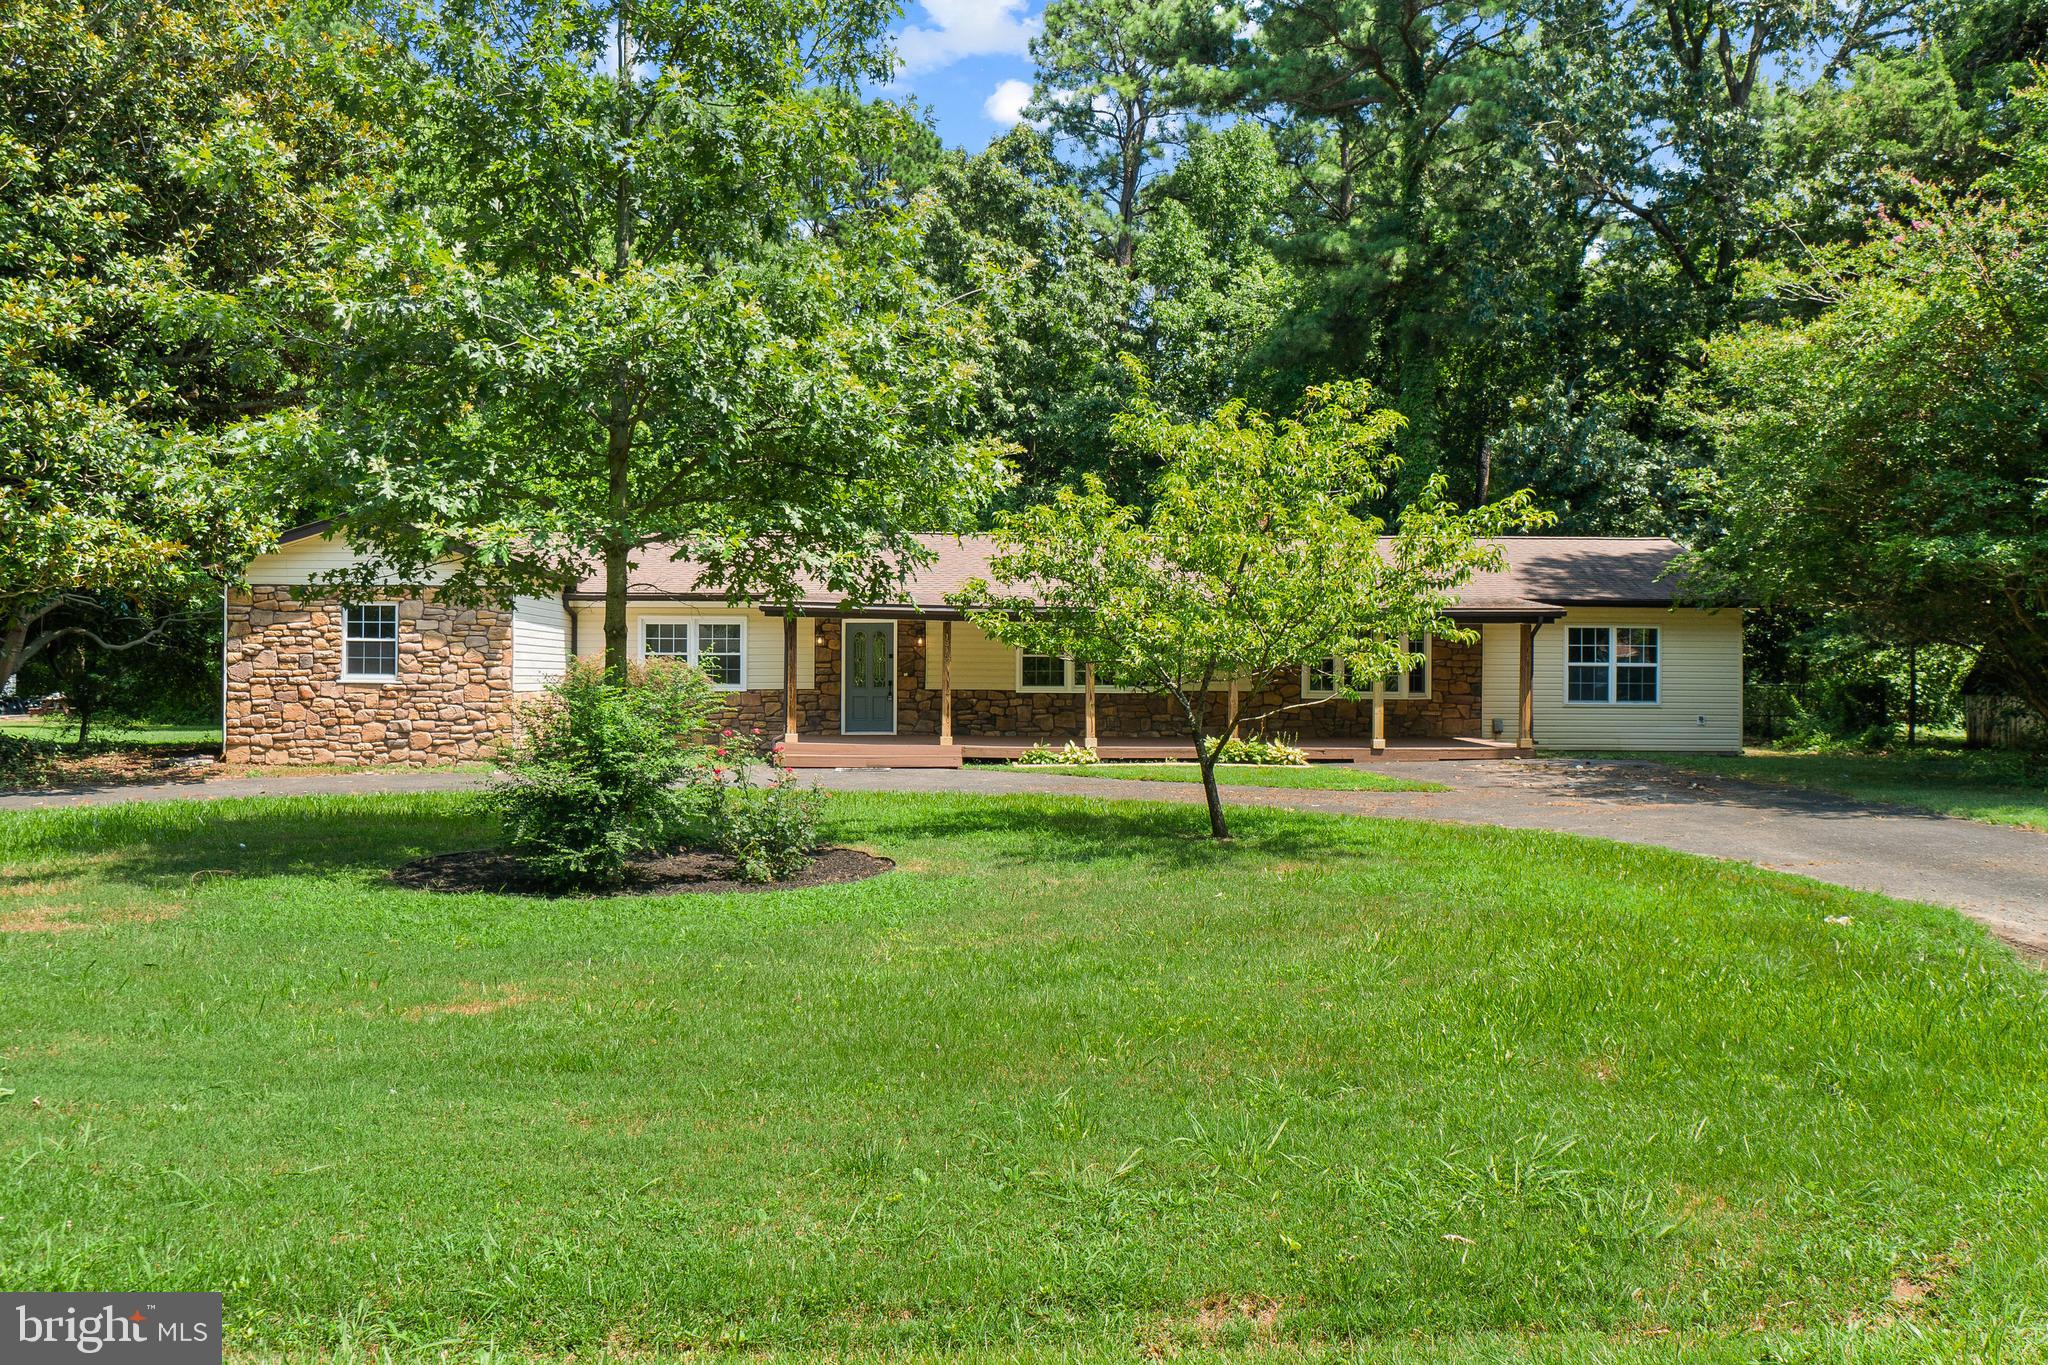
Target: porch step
{"type": "Point", "coordinates": [815, 754]}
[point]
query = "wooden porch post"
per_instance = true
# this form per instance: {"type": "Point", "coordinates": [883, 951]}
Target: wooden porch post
{"type": "Point", "coordinates": [945, 682]}
{"type": "Point", "coordinates": [1088, 705]}
{"type": "Point", "coordinates": [1379, 715]}
{"type": "Point", "coordinates": [1230, 711]}
{"type": "Point", "coordinates": [1525, 724]}
{"type": "Point", "coordinates": [789, 678]}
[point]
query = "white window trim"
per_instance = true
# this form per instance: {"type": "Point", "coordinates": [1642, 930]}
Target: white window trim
{"type": "Point", "coordinates": [1073, 673]}
{"type": "Point", "coordinates": [895, 667]}
{"type": "Point", "coordinates": [398, 618]}
{"type": "Point", "coordinates": [689, 654]}
{"type": "Point", "coordinates": [1077, 678]}
{"type": "Point", "coordinates": [1398, 692]}
{"type": "Point", "coordinates": [1613, 662]}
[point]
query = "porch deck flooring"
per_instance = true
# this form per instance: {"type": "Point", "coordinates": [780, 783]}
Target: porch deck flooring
{"type": "Point", "coordinates": [925, 751]}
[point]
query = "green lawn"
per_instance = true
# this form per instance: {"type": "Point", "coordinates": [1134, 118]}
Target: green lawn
{"type": "Point", "coordinates": [1070, 1077]}
{"type": "Point", "coordinates": [1321, 776]}
{"type": "Point", "coordinates": [1979, 784]}
{"type": "Point", "coordinates": [66, 730]}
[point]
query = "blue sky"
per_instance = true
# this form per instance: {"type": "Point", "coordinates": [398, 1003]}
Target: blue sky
{"type": "Point", "coordinates": [967, 61]}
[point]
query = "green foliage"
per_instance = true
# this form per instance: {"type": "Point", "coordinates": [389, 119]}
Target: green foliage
{"type": "Point", "coordinates": [1883, 460]}
{"type": "Point", "coordinates": [1007, 231]}
{"type": "Point", "coordinates": [769, 829]}
{"type": "Point", "coordinates": [1252, 560]}
{"type": "Point", "coordinates": [1069, 755]}
{"type": "Point", "coordinates": [167, 172]}
{"type": "Point", "coordinates": [648, 301]}
{"type": "Point", "coordinates": [1258, 749]}
{"type": "Point", "coordinates": [597, 776]}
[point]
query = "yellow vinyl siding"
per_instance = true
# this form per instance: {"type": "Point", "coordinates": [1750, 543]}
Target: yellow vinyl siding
{"type": "Point", "coordinates": [304, 560]}
{"type": "Point", "coordinates": [1700, 655]}
{"type": "Point", "coordinates": [979, 663]}
{"type": "Point", "coordinates": [763, 638]}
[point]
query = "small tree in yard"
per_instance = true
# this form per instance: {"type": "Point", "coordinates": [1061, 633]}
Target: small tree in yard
{"type": "Point", "coordinates": [1252, 560]}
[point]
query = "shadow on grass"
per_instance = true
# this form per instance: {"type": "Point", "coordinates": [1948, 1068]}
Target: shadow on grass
{"type": "Point", "coordinates": [1021, 831]}
{"type": "Point", "coordinates": [184, 842]}
{"type": "Point", "coordinates": [178, 843]}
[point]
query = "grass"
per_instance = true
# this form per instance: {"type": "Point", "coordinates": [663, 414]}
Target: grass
{"type": "Point", "coordinates": [63, 729]}
{"type": "Point", "coordinates": [1070, 1081]}
{"type": "Point", "coordinates": [1321, 777]}
{"type": "Point", "coordinates": [1977, 784]}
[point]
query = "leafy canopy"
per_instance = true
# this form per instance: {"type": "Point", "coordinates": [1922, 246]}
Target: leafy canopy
{"type": "Point", "coordinates": [1251, 560]}
{"type": "Point", "coordinates": [163, 170]}
{"type": "Point", "coordinates": [1887, 457]}
{"type": "Point", "coordinates": [641, 296]}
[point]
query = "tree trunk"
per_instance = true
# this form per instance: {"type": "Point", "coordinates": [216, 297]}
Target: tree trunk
{"type": "Point", "coordinates": [615, 611]}
{"type": "Point", "coordinates": [1912, 695]}
{"type": "Point", "coordinates": [619, 421]}
{"type": "Point", "coordinates": [13, 645]}
{"type": "Point", "coordinates": [1217, 828]}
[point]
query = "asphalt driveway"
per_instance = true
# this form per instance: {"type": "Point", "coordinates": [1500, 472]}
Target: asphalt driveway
{"type": "Point", "coordinates": [1994, 873]}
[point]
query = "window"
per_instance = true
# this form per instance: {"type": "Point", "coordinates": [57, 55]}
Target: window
{"type": "Point", "coordinates": [1041, 672]}
{"type": "Point", "coordinates": [369, 641]}
{"type": "Point", "coordinates": [718, 651]}
{"type": "Point", "coordinates": [1635, 665]}
{"type": "Point", "coordinates": [1321, 679]}
{"type": "Point", "coordinates": [1611, 664]}
{"type": "Point", "coordinates": [717, 647]}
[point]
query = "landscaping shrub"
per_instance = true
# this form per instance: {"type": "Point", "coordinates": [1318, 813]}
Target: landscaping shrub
{"type": "Point", "coordinates": [1068, 754]}
{"type": "Point", "coordinates": [769, 830]}
{"type": "Point", "coordinates": [602, 772]}
{"type": "Point", "coordinates": [1251, 749]}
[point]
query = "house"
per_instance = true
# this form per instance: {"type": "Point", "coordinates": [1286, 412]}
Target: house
{"type": "Point", "coordinates": [1579, 647]}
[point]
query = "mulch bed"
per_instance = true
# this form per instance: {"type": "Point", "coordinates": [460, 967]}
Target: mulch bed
{"type": "Point", "coordinates": [673, 874]}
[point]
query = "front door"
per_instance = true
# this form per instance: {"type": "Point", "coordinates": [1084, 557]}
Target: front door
{"type": "Point", "coordinates": [870, 698]}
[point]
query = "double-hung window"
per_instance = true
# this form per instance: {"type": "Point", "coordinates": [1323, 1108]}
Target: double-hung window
{"type": "Point", "coordinates": [1325, 677]}
{"type": "Point", "coordinates": [717, 647]}
{"type": "Point", "coordinates": [369, 642]}
{"type": "Point", "coordinates": [1611, 665]}
{"type": "Point", "coordinates": [1044, 673]}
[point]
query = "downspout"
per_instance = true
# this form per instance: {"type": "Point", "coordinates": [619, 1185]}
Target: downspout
{"type": "Point", "coordinates": [1534, 631]}
{"type": "Point", "coordinates": [570, 612]}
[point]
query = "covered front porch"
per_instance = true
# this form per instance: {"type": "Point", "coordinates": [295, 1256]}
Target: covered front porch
{"type": "Point", "coordinates": [913, 751]}
{"type": "Point", "coordinates": [917, 658]}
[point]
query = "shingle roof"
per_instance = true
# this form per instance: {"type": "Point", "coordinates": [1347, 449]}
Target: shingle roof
{"type": "Point", "coordinates": [1544, 575]}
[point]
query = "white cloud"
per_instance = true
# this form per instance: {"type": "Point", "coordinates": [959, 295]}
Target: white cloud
{"type": "Point", "coordinates": [1005, 104]}
{"type": "Point", "coordinates": [965, 28]}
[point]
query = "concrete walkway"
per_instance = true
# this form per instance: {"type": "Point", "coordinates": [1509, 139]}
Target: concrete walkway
{"type": "Point", "coordinates": [1994, 873]}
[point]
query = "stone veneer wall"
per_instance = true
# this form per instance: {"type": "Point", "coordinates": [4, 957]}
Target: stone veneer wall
{"type": "Point", "coordinates": [452, 698]}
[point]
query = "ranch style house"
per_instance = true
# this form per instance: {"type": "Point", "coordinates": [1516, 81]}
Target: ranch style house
{"type": "Point", "coordinates": [1580, 646]}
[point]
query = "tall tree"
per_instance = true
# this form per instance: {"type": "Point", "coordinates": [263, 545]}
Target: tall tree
{"type": "Point", "coordinates": [1416, 178]}
{"type": "Point", "coordinates": [1010, 231]}
{"type": "Point", "coordinates": [164, 170]}
{"type": "Point", "coordinates": [1886, 460]}
{"type": "Point", "coordinates": [1105, 86]}
{"type": "Point", "coordinates": [646, 297]}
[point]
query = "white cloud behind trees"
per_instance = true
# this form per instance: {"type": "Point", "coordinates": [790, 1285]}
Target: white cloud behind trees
{"type": "Point", "coordinates": [956, 29]}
